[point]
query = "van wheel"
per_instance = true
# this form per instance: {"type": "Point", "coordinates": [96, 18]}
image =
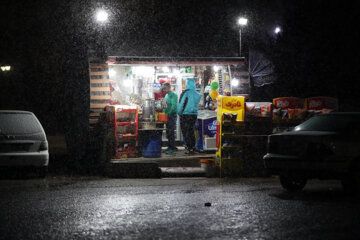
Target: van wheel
{"type": "Point", "coordinates": [292, 184]}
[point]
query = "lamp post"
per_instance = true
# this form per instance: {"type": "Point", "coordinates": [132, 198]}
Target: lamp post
{"type": "Point", "coordinates": [242, 22]}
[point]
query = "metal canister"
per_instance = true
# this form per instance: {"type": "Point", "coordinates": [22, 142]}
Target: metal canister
{"type": "Point", "coordinates": [148, 110]}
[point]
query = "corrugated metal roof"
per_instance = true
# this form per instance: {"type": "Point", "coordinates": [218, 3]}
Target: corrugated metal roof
{"type": "Point", "coordinates": [175, 61]}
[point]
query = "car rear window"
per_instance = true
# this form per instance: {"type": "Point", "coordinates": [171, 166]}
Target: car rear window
{"type": "Point", "coordinates": [331, 123]}
{"type": "Point", "coordinates": [19, 123]}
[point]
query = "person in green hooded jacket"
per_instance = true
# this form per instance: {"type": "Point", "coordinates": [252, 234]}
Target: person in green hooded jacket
{"type": "Point", "coordinates": [188, 111]}
{"type": "Point", "coordinates": [171, 108]}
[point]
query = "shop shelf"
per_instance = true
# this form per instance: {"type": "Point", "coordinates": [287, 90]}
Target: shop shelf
{"type": "Point", "coordinates": [127, 136]}
{"type": "Point", "coordinates": [121, 138]}
{"type": "Point", "coordinates": [126, 123]}
{"type": "Point", "coordinates": [230, 123]}
{"type": "Point", "coordinates": [126, 154]}
{"type": "Point", "coordinates": [232, 147]}
{"type": "Point", "coordinates": [233, 159]}
{"type": "Point", "coordinates": [123, 125]}
{"type": "Point", "coordinates": [231, 135]}
{"type": "Point", "coordinates": [127, 149]}
{"type": "Point", "coordinates": [126, 129]}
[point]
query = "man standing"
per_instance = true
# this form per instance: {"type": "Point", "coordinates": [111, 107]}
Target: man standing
{"type": "Point", "coordinates": [188, 111]}
{"type": "Point", "coordinates": [171, 106]}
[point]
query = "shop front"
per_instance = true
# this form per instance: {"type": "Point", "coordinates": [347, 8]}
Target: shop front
{"type": "Point", "coordinates": [230, 129]}
{"type": "Point", "coordinates": [135, 101]}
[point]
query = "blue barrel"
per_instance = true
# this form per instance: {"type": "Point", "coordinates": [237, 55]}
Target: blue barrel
{"type": "Point", "coordinates": [151, 144]}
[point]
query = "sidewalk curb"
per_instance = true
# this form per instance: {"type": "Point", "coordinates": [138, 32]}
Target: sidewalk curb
{"type": "Point", "coordinates": [139, 169]}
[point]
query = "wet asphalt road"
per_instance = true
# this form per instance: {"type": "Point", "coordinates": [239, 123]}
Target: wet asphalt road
{"type": "Point", "coordinates": [99, 208]}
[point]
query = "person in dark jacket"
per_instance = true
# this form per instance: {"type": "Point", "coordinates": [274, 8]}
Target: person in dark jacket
{"type": "Point", "coordinates": [188, 111]}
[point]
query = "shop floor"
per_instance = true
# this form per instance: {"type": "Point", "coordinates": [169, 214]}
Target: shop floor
{"type": "Point", "coordinates": [177, 159]}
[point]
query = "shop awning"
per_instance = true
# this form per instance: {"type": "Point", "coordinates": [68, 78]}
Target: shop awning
{"type": "Point", "coordinates": [176, 61]}
{"type": "Point", "coordinates": [261, 69]}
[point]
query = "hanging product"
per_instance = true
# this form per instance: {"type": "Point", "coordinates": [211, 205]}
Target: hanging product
{"type": "Point", "coordinates": [214, 85]}
{"type": "Point", "coordinates": [214, 94]}
{"type": "Point", "coordinates": [157, 87]}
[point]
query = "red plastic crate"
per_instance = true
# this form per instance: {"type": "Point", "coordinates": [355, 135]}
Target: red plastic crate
{"type": "Point", "coordinates": [122, 154]}
{"type": "Point", "coordinates": [124, 124]}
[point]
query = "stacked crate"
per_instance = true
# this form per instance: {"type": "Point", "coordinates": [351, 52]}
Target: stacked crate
{"type": "Point", "coordinates": [124, 124]}
{"type": "Point", "coordinates": [229, 131]}
{"type": "Point", "coordinates": [99, 91]}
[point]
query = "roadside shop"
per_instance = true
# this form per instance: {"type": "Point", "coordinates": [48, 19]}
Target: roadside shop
{"type": "Point", "coordinates": [231, 131]}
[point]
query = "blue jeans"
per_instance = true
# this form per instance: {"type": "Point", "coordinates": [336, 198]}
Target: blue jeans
{"type": "Point", "coordinates": [170, 131]}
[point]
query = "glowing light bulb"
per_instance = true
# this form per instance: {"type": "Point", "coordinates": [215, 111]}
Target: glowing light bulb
{"type": "Point", "coordinates": [242, 21]}
{"type": "Point", "coordinates": [235, 82]}
{"type": "Point", "coordinates": [277, 30]}
{"type": "Point", "coordinates": [102, 16]}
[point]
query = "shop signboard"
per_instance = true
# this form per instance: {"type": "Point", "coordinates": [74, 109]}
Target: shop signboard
{"type": "Point", "coordinates": [288, 102]}
{"type": "Point", "coordinates": [319, 103]}
{"type": "Point", "coordinates": [234, 105]}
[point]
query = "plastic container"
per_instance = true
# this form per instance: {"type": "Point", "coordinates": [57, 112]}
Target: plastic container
{"type": "Point", "coordinates": [209, 166]}
{"type": "Point", "coordinates": [151, 144]}
{"type": "Point", "coordinates": [162, 117]}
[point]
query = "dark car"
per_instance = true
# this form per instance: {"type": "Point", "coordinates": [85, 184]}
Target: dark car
{"type": "Point", "coordinates": [326, 146]}
{"type": "Point", "coordinates": [23, 142]}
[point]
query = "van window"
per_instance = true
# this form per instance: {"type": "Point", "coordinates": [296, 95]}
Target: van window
{"type": "Point", "coordinates": [19, 123]}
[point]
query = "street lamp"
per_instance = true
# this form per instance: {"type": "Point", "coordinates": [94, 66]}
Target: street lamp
{"type": "Point", "coordinates": [102, 16]}
{"type": "Point", "coordinates": [5, 68]}
{"type": "Point", "coordinates": [242, 22]}
{"type": "Point", "coordinates": [277, 30]}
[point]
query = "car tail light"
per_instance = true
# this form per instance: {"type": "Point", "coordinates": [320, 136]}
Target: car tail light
{"type": "Point", "coordinates": [44, 146]}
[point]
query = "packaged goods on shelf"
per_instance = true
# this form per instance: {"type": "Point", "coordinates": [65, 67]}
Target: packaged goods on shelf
{"type": "Point", "coordinates": [291, 111]}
